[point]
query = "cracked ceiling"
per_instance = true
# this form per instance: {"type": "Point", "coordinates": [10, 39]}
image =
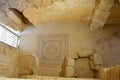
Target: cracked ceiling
{"type": "Point", "coordinates": [95, 13]}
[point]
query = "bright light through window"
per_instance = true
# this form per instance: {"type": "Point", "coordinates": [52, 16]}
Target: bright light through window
{"type": "Point", "coordinates": [9, 36]}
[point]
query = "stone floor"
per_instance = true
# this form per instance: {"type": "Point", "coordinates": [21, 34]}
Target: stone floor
{"type": "Point", "coordinates": [45, 78]}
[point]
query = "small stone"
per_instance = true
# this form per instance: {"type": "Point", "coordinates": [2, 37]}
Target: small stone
{"type": "Point", "coordinates": [71, 62]}
{"type": "Point", "coordinates": [70, 71]}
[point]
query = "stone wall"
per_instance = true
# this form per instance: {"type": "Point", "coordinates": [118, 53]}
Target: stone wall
{"type": "Point", "coordinates": [56, 78]}
{"type": "Point", "coordinates": [27, 64]}
{"type": "Point", "coordinates": [7, 61]}
{"type": "Point", "coordinates": [29, 43]}
{"type": "Point", "coordinates": [81, 46]}
{"type": "Point", "coordinates": [45, 78]}
{"type": "Point", "coordinates": [86, 64]}
{"type": "Point", "coordinates": [110, 73]}
{"type": "Point", "coordinates": [109, 49]}
{"type": "Point", "coordinates": [15, 63]}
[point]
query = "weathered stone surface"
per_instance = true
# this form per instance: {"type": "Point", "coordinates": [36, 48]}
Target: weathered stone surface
{"type": "Point", "coordinates": [24, 4]}
{"type": "Point", "coordinates": [70, 71]}
{"type": "Point", "coordinates": [26, 64]}
{"type": "Point", "coordinates": [110, 73]}
{"type": "Point", "coordinates": [85, 53]}
{"type": "Point", "coordinates": [91, 57]}
{"type": "Point", "coordinates": [7, 61]}
{"type": "Point", "coordinates": [10, 19]}
{"type": "Point", "coordinates": [99, 19]}
{"type": "Point", "coordinates": [101, 13]}
{"type": "Point", "coordinates": [74, 55]}
{"type": "Point", "coordinates": [92, 66]}
{"type": "Point", "coordinates": [45, 12]}
{"type": "Point", "coordinates": [95, 66]}
{"type": "Point", "coordinates": [53, 71]}
{"type": "Point", "coordinates": [98, 67]}
{"type": "Point", "coordinates": [14, 63]}
{"type": "Point", "coordinates": [59, 12]}
{"type": "Point", "coordinates": [46, 78]}
{"type": "Point", "coordinates": [97, 60]}
{"type": "Point", "coordinates": [82, 68]}
{"type": "Point", "coordinates": [71, 62]}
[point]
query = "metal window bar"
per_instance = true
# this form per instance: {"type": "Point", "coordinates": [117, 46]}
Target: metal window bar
{"type": "Point", "coordinates": [9, 37]}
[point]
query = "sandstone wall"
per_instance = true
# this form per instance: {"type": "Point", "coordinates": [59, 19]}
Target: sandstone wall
{"type": "Point", "coordinates": [26, 64]}
{"type": "Point", "coordinates": [7, 61]}
{"type": "Point", "coordinates": [29, 38]}
{"type": "Point", "coordinates": [110, 73]}
{"type": "Point", "coordinates": [56, 78]}
{"type": "Point", "coordinates": [15, 63]}
{"type": "Point", "coordinates": [80, 44]}
{"type": "Point", "coordinates": [45, 78]}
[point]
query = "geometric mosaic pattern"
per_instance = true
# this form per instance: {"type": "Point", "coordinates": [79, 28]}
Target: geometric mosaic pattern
{"type": "Point", "coordinates": [52, 49]}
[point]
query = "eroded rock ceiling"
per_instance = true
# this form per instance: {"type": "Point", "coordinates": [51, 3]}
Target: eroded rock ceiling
{"type": "Point", "coordinates": [44, 12]}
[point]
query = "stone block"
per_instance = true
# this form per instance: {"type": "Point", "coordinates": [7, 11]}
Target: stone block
{"type": "Point", "coordinates": [97, 59]}
{"type": "Point", "coordinates": [70, 71]}
{"type": "Point", "coordinates": [91, 57]}
{"type": "Point", "coordinates": [74, 55]}
{"type": "Point", "coordinates": [91, 65]}
{"type": "Point", "coordinates": [105, 5]}
{"type": "Point", "coordinates": [85, 53]}
{"type": "Point", "coordinates": [97, 67]}
{"type": "Point", "coordinates": [53, 71]}
{"type": "Point", "coordinates": [71, 62]}
{"type": "Point", "coordinates": [82, 68]}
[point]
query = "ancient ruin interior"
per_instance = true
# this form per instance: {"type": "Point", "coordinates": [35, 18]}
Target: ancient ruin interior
{"type": "Point", "coordinates": [60, 39]}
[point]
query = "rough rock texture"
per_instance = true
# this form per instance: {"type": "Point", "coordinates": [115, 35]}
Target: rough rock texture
{"type": "Point", "coordinates": [85, 53]}
{"type": "Point", "coordinates": [44, 12]}
{"type": "Point", "coordinates": [110, 73]}
{"type": "Point", "coordinates": [70, 71]}
{"type": "Point", "coordinates": [82, 68]}
{"type": "Point", "coordinates": [56, 78]}
{"type": "Point", "coordinates": [101, 13]}
{"type": "Point", "coordinates": [14, 63]}
{"type": "Point", "coordinates": [86, 65]}
{"type": "Point", "coordinates": [26, 64]}
{"type": "Point", "coordinates": [7, 61]}
{"type": "Point", "coordinates": [12, 20]}
{"type": "Point", "coordinates": [45, 78]}
{"type": "Point", "coordinates": [61, 12]}
{"type": "Point", "coordinates": [97, 59]}
{"type": "Point", "coordinates": [24, 4]}
{"type": "Point", "coordinates": [71, 62]}
{"type": "Point", "coordinates": [53, 71]}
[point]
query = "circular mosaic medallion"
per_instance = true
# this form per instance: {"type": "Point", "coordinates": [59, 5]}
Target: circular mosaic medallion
{"type": "Point", "coordinates": [51, 50]}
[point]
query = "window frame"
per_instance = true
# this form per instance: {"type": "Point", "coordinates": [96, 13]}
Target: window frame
{"type": "Point", "coordinates": [13, 32]}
